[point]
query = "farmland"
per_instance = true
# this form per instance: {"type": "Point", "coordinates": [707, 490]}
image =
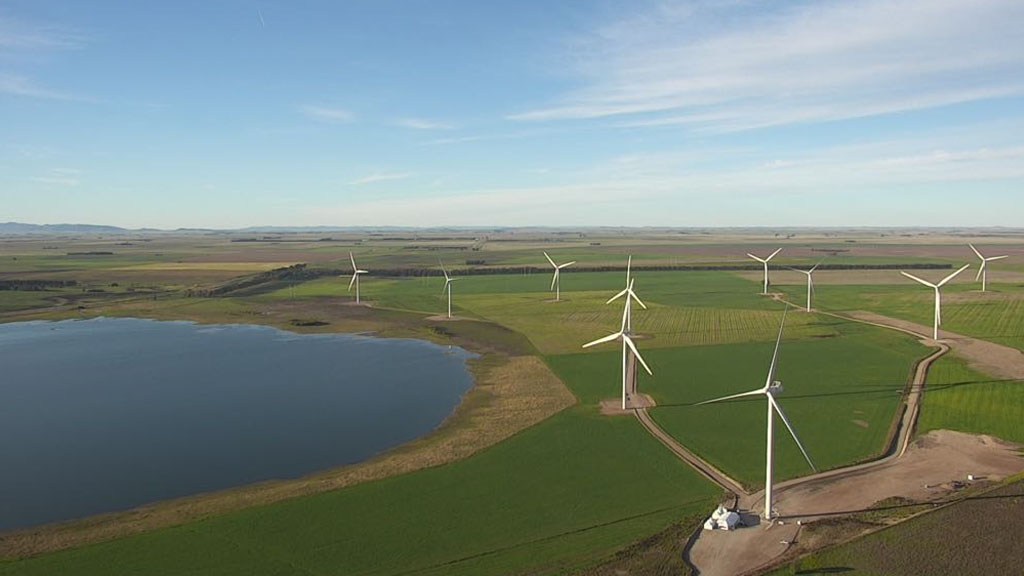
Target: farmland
{"type": "Point", "coordinates": [549, 499]}
{"type": "Point", "coordinates": [958, 398]}
{"type": "Point", "coordinates": [957, 539]}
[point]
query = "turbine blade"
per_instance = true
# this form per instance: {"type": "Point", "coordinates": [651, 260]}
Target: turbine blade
{"type": "Point", "coordinates": [756, 258]}
{"type": "Point", "coordinates": [638, 300]}
{"type": "Point", "coordinates": [353, 259]}
{"type": "Point", "coordinates": [775, 354]}
{"type": "Point", "coordinates": [773, 255]}
{"type": "Point", "coordinates": [953, 275]}
{"type": "Point", "coordinates": [815, 267]}
{"type": "Point", "coordinates": [980, 270]}
{"type": "Point", "coordinates": [912, 277]}
{"type": "Point", "coordinates": [991, 258]}
{"type": "Point", "coordinates": [607, 338]}
{"type": "Point", "coordinates": [554, 279]}
{"type": "Point", "coordinates": [629, 342]}
{"type": "Point", "coordinates": [617, 296]}
{"type": "Point", "coordinates": [733, 396]}
{"type": "Point", "coordinates": [778, 410]}
{"type": "Point", "coordinates": [351, 282]}
{"type": "Point", "coordinates": [629, 263]}
{"type": "Point", "coordinates": [976, 251]}
{"type": "Point", "coordinates": [567, 264]}
{"type": "Point", "coordinates": [550, 260]}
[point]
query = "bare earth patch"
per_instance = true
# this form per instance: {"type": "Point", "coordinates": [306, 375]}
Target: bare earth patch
{"type": "Point", "coordinates": [510, 394]}
{"type": "Point", "coordinates": [613, 406]}
{"type": "Point", "coordinates": [860, 423]}
{"type": "Point", "coordinates": [923, 473]}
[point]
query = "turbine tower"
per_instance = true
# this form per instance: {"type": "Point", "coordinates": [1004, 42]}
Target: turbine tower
{"type": "Point", "coordinates": [355, 276]}
{"type": "Point", "coordinates": [765, 262]}
{"type": "Point", "coordinates": [810, 283]}
{"type": "Point", "coordinates": [447, 286]}
{"type": "Point", "coordinates": [983, 271]}
{"type": "Point", "coordinates": [555, 285]}
{"type": "Point", "coordinates": [769, 390]}
{"type": "Point", "coordinates": [938, 296]}
{"type": "Point", "coordinates": [627, 347]}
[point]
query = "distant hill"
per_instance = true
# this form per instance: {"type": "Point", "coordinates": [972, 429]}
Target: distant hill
{"type": "Point", "coordinates": [20, 228]}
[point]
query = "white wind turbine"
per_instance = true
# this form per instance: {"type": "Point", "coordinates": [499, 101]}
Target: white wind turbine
{"type": "Point", "coordinates": [983, 271]}
{"type": "Point", "coordinates": [555, 285]}
{"type": "Point", "coordinates": [810, 283]}
{"type": "Point", "coordinates": [355, 276]}
{"type": "Point", "coordinates": [627, 346]}
{"type": "Point", "coordinates": [938, 295]}
{"type": "Point", "coordinates": [769, 390]}
{"type": "Point", "coordinates": [630, 295]}
{"type": "Point", "coordinates": [765, 262]}
{"type": "Point", "coordinates": [447, 286]}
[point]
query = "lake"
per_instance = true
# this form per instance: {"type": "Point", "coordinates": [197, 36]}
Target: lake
{"type": "Point", "coordinates": [107, 414]}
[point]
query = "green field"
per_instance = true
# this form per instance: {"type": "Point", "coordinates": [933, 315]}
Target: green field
{"type": "Point", "coordinates": [994, 315]}
{"type": "Point", "coordinates": [958, 398]}
{"type": "Point", "coordinates": [578, 487]}
{"type": "Point", "coordinates": [841, 395]}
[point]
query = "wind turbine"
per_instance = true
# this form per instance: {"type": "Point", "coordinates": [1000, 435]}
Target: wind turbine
{"type": "Point", "coordinates": [810, 283]}
{"type": "Point", "coordinates": [765, 262]}
{"type": "Point", "coordinates": [983, 271]}
{"type": "Point", "coordinates": [938, 295]}
{"type": "Point", "coordinates": [447, 286]}
{"type": "Point", "coordinates": [769, 390]}
{"type": "Point", "coordinates": [554, 281]}
{"type": "Point", "coordinates": [627, 346]}
{"type": "Point", "coordinates": [355, 276]}
{"type": "Point", "coordinates": [630, 295]}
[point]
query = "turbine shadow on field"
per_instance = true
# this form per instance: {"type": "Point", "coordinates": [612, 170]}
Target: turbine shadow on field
{"type": "Point", "coordinates": [880, 390]}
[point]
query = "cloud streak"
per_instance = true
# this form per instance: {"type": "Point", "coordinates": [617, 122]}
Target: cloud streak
{"type": "Point", "coordinates": [738, 66]}
{"type": "Point", "coordinates": [330, 114]}
{"type": "Point", "coordinates": [380, 177]}
{"type": "Point", "coordinates": [421, 124]}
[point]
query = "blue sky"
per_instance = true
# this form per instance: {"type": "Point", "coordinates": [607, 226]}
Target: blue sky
{"type": "Point", "coordinates": [231, 113]}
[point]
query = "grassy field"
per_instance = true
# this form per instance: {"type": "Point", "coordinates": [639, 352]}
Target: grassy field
{"type": "Point", "coordinates": [994, 315]}
{"type": "Point", "coordinates": [958, 398]}
{"type": "Point", "coordinates": [958, 539]}
{"type": "Point", "coordinates": [842, 409]}
{"type": "Point", "coordinates": [576, 488]}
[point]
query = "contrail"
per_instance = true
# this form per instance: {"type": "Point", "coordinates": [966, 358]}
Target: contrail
{"type": "Point", "coordinates": [262, 22]}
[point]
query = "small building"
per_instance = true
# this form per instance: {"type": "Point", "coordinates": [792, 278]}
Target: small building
{"type": "Point", "coordinates": [722, 519]}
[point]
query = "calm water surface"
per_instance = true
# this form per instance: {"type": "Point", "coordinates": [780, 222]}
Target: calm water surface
{"type": "Point", "coordinates": [107, 414]}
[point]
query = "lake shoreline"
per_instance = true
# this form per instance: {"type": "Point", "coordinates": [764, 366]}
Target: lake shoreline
{"type": "Point", "coordinates": [500, 381]}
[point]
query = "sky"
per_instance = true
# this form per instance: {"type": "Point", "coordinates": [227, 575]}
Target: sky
{"type": "Point", "coordinates": [235, 113]}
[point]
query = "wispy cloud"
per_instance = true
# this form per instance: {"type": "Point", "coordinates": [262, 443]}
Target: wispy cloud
{"type": "Point", "coordinates": [327, 113]}
{"type": "Point", "coordinates": [21, 86]}
{"type": "Point", "coordinates": [18, 34]}
{"type": "Point", "coordinates": [62, 177]}
{"type": "Point", "coordinates": [823, 186]}
{"type": "Point", "coordinates": [380, 177]}
{"type": "Point", "coordinates": [737, 66]}
{"type": "Point", "coordinates": [421, 124]}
